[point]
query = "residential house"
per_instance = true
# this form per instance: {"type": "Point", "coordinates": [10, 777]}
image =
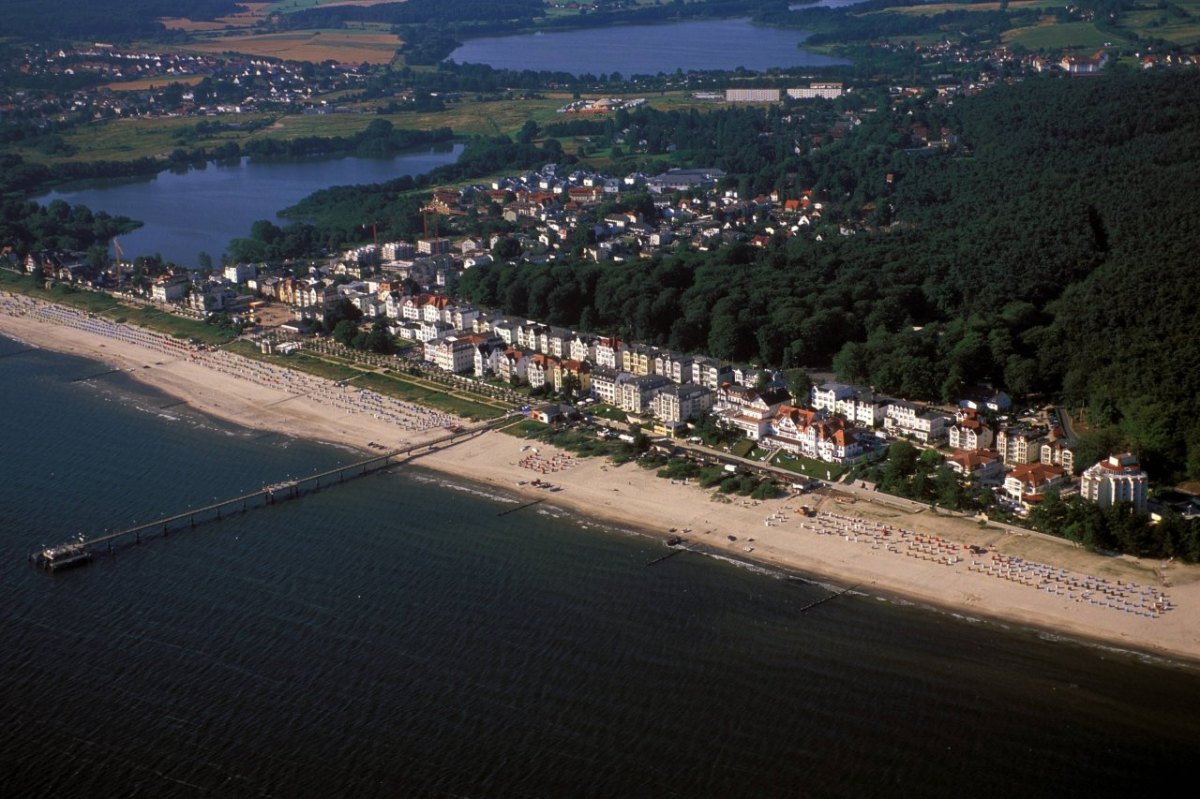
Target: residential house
{"type": "Point", "coordinates": [984, 466]}
{"type": "Point", "coordinates": [814, 434]}
{"type": "Point", "coordinates": [410, 308]}
{"type": "Point", "coordinates": [1057, 452]}
{"type": "Point", "coordinates": [825, 396]}
{"type": "Point", "coordinates": [912, 421]}
{"type": "Point", "coordinates": [638, 359]}
{"type": "Point", "coordinates": [677, 403]}
{"type": "Point", "coordinates": [582, 348]}
{"type": "Point", "coordinates": [744, 409]}
{"type": "Point", "coordinates": [393, 303]}
{"type": "Point", "coordinates": [454, 353]}
{"type": "Point", "coordinates": [610, 353]}
{"type": "Point", "coordinates": [409, 331]}
{"type": "Point", "coordinates": [674, 365]}
{"type": "Point", "coordinates": [751, 375]}
{"type": "Point", "coordinates": [863, 407]}
{"type": "Point", "coordinates": [606, 384]}
{"type": "Point", "coordinates": [429, 331]}
{"type": "Point", "coordinates": [438, 246]}
{"type": "Point", "coordinates": [212, 298]}
{"type": "Point", "coordinates": [240, 273]}
{"type": "Point", "coordinates": [710, 373]}
{"type": "Point", "coordinates": [529, 335]}
{"type": "Point", "coordinates": [435, 308]}
{"type": "Point", "coordinates": [556, 341]}
{"type": "Point", "coordinates": [170, 288]}
{"type": "Point", "coordinates": [969, 432]}
{"type": "Point", "coordinates": [463, 316]}
{"type": "Point", "coordinates": [487, 356]}
{"type": "Point", "coordinates": [1028, 483]}
{"type": "Point", "coordinates": [580, 372]}
{"type": "Point", "coordinates": [512, 365]}
{"type": "Point", "coordinates": [539, 370]}
{"type": "Point", "coordinates": [507, 331]}
{"type": "Point", "coordinates": [1018, 445]}
{"type": "Point", "coordinates": [985, 398]}
{"type": "Point", "coordinates": [637, 393]}
{"type": "Point", "coordinates": [1118, 478]}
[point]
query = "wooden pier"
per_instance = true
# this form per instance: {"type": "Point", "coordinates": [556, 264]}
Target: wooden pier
{"type": "Point", "coordinates": [264, 497]}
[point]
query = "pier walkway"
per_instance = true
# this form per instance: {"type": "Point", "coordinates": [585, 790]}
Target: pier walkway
{"type": "Point", "coordinates": [264, 497]}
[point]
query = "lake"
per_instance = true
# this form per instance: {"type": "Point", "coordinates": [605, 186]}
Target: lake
{"type": "Point", "coordinates": [396, 636]}
{"type": "Point", "coordinates": [201, 210]}
{"type": "Point", "coordinates": [711, 44]}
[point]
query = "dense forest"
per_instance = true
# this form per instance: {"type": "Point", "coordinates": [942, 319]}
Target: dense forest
{"type": "Point", "coordinates": [1053, 260]}
{"type": "Point", "coordinates": [28, 226]}
{"type": "Point", "coordinates": [82, 19]}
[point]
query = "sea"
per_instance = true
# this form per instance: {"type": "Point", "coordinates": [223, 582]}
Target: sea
{"type": "Point", "coordinates": [397, 636]}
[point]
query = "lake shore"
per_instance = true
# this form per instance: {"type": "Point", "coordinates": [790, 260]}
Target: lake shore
{"type": "Point", "coordinates": [844, 544]}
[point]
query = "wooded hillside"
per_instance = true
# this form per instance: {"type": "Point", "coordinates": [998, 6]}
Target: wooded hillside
{"type": "Point", "coordinates": [1055, 259]}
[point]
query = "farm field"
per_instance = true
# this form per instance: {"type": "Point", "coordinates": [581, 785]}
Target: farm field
{"type": "Point", "coordinates": [929, 9]}
{"type": "Point", "coordinates": [253, 14]}
{"type": "Point", "coordinates": [370, 46]}
{"type": "Point", "coordinates": [130, 139]}
{"type": "Point", "coordinates": [146, 84]}
{"type": "Point", "coordinates": [1084, 35]}
{"type": "Point", "coordinates": [1167, 23]}
{"type": "Point", "coordinates": [123, 140]}
{"type": "Point", "coordinates": [289, 6]}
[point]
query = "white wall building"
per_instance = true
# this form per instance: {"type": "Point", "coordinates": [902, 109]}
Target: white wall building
{"type": "Point", "coordinates": [1117, 479]}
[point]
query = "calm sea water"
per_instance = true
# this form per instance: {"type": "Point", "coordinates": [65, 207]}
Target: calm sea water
{"type": "Point", "coordinates": [724, 44]}
{"type": "Point", "coordinates": [396, 637]}
{"type": "Point", "coordinates": [202, 210]}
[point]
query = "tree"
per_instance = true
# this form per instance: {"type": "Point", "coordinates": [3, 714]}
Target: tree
{"type": "Point", "coordinates": [800, 386]}
{"type": "Point", "coordinates": [378, 340]}
{"type": "Point", "coordinates": [344, 332]}
{"type": "Point", "coordinates": [763, 381]}
{"type": "Point", "coordinates": [948, 488]}
{"type": "Point", "coordinates": [97, 256]}
{"type": "Point", "coordinates": [528, 132]}
{"type": "Point", "coordinates": [507, 248]}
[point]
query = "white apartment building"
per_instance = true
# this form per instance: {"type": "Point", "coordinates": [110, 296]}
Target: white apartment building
{"type": "Point", "coordinates": [1119, 478]}
{"type": "Point", "coordinates": [825, 397]}
{"type": "Point", "coordinates": [454, 354]}
{"type": "Point", "coordinates": [678, 403]}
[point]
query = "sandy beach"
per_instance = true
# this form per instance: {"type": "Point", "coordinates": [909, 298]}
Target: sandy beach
{"type": "Point", "coordinates": [1144, 605]}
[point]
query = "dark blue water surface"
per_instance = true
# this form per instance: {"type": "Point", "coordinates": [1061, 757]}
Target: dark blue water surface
{"type": "Point", "coordinates": [722, 44]}
{"type": "Point", "coordinates": [202, 210]}
{"type": "Point", "coordinates": [395, 637]}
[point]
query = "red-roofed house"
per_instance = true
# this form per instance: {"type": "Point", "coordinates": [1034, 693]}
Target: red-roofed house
{"type": "Point", "coordinates": [982, 466]}
{"type": "Point", "coordinates": [1028, 483]}
{"type": "Point", "coordinates": [814, 435]}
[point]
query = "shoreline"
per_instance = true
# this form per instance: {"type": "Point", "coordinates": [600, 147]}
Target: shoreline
{"type": "Point", "coordinates": [454, 481]}
{"type": "Point", "coordinates": [770, 534]}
